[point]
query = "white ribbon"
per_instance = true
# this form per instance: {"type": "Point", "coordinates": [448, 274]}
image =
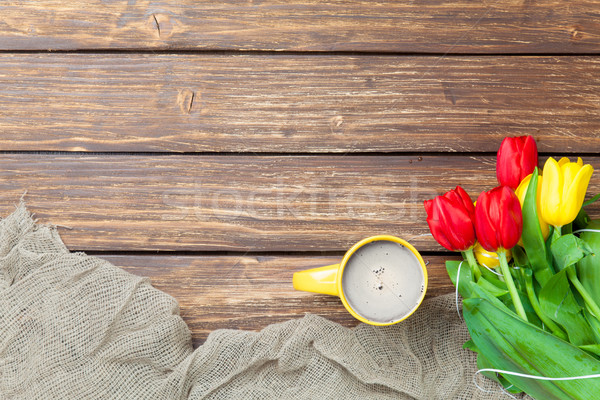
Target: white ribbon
{"type": "Point", "coordinates": [492, 271]}
{"type": "Point", "coordinates": [587, 230]}
{"type": "Point", "coordinates": [541, 378]}
{"type": "Point", "coordinates": [456, 289]}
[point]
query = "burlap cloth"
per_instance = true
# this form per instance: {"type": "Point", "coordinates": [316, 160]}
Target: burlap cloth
{"type": "Point", "coordinates": [74, 326]}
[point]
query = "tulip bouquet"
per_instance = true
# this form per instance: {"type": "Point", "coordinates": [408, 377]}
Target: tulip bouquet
{"type": "Point", "coordinates": [530, 279]}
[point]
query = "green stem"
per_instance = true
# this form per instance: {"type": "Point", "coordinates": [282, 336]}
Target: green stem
{"type": "Point", "coordinates": [536, 307]}
{"type": "Point", "coordinates": [510, 284]}
{"type": "Point", "coordinates": [468, 254]}
{"type": "Point", "coordinates": [589, 301]}
{"type": "Point", "coordinates": [556, 233]}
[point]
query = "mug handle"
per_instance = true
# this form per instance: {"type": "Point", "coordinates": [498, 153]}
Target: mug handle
{"type": "Point", "coordinates": [318, 280]}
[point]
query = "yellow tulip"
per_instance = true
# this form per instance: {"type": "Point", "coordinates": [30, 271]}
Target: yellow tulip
{"type": "Point", "coordinates": [522, 191]}
{"type": "Point", "coordinates": [488, 258]}
{"type": "Point", "coordinates": [563, 190]}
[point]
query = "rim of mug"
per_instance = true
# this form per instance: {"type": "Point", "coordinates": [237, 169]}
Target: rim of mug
{"type": "Point", "coordinates": [360, 244]}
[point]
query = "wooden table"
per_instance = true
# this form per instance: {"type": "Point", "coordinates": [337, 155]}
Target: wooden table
{"type": "Point", "coordinates": [219, 146]}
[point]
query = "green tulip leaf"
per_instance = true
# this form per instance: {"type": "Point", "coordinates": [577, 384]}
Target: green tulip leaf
{"type": "Point", "coordinates": [594, 324]}
{"type": "Point", "coordinates": [509, 343]}
{"type": "Point", "coordinates": [479, 292]}
{"type": "Point", "coordinates": [483, 363]}
{"type": "Point", "coordinates": [533, 300]}
{"type": "Point", "coordinates": [591, 348]}
{"type": "Point", "coordinates": [592, 200]}
{"type": "Point", "coordinates": [588, 268]}
{"type": "Point", "coordinates": [493, 278]}
{"type": "Point", "coordinates": [558, 303]}
{"type": "Point", "coordinates": [453, 267]}
{"type": "Point", "coordinates": [533, 240]}
{"type": "Point", "coordinates": [568, 250]}
{"type": "Point", "coordinates": [470, 345]}
{"type": "Point", "coordinates": [491, 288]}
{"type": "Point", "coordinates": [532, 316]}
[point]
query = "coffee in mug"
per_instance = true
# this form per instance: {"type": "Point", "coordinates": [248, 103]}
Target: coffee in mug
{"type": "Point", "coordinates": [381, 280]}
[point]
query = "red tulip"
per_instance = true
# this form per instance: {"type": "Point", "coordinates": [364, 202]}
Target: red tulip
{"type": "Point", "coordinates": [450, 218]}
{"type": "Point", "coordinates": [498, 219]}
{"type": "Point", "coordinates": [517, 157]}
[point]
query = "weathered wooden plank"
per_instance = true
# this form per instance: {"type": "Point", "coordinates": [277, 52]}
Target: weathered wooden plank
{"type": "Point", "coordinates": [246, 292]}
{"type": "Point", "coordinates": [223, 103]}
{"type": "Point", "coordinates": [242, 203]}
{"type": "Point", "coordinates": [424, 26]}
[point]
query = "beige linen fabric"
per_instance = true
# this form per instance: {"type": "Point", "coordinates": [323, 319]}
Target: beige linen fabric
{"type": "Point", "coordinates": [74, 326]}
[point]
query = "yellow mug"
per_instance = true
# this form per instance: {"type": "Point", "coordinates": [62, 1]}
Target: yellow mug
{"type": "Point", "coordinates": [381, 280]}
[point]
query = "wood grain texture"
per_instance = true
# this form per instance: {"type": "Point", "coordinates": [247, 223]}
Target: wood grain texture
{"type": "Point", "coordinates": [516, 26]}
{"type": "Point", "coordinates": [245, 292]}
{"type": "Point", "coordinates": [250, 103]}
{"type": "Point", "coordinates": [238, 203]}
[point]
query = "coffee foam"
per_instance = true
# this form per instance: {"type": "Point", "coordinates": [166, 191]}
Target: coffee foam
{"type": "Point", "coordinates": [383, 281]}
